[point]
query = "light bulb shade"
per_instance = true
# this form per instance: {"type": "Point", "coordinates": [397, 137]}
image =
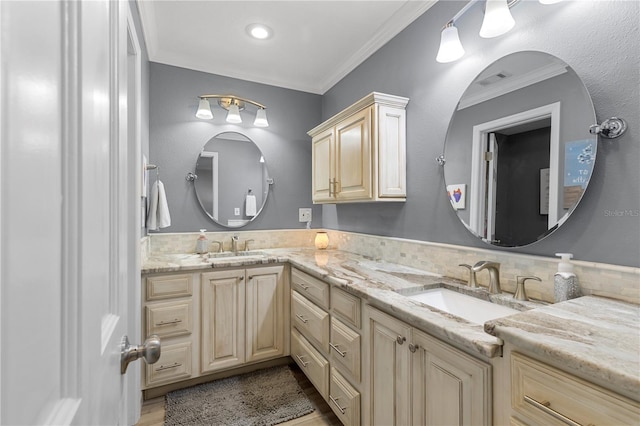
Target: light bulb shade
{"type": "Point", "coordinates": [204, 110]}
{"type": "Point", "coordinates": [261, 118]}
{"type": "Point", "coordinates": [450, 46]}
{"type": "Point", "coordinates": [497, 19]}
{"type": "Point", "coordinates": [234, 114]}
{"type": "Point", "coordinates": [322, 240]}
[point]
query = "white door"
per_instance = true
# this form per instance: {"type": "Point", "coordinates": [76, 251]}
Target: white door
{"type": "Point", "coordinates": [67, 254]}
{"type": "Point", "coordinates": [492, 187]}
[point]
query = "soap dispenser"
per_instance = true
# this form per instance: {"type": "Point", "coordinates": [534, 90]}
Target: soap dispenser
{"type": "Point", "coordinates": [565, 281]}
{"type": "Point", "coordinates": [202, 244]}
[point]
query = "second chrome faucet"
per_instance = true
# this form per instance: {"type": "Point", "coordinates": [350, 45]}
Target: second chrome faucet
{"type": "Point", "coordinates": [494, 274]}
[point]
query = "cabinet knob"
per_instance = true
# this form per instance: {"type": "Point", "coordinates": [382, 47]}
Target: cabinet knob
{"type": "Point", "coordinates": [413, 348]}
{"type": "Point", "coordinates": [401, 340]}
{"type": "Point", "coordinates": [241, 278]}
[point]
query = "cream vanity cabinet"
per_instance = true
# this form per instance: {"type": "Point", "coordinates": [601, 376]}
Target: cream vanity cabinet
{"type": "Point", "coordinates": [216, 320]}
{"type": "Point", "coordinates": [414, 378]}
{"type": "Point", "coordinates": [543, 394]}
{"type": "Point", "coordinates": [168, 311]}
{"type": "Point", "coordinates": [243, 317]}
{"type": "Point", "coordinates": [360, 153]}
{"type": "Point", "coordinates": [326, 342]}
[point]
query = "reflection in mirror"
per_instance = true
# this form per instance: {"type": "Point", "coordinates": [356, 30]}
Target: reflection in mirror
{"type": "Point", "coordinates": [518, 151]}
{"type": "Point", "coordinates": [233, 181]}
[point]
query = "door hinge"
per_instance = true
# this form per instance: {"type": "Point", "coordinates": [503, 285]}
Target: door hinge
{"type": "Point", "coordinates": [488, 156]}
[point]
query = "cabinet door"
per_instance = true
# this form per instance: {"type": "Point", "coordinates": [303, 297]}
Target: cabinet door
{"type": "Point", "coordinates": [387, 369]}
{"type": "Point", "coordinates": [449, 386]}
{"type": "Point", "coordinates": [223, 324]}
{"type": "Point", "coordinates": [323, 166]}
{"type": "Point", "coordinates": [353, 157]}
{"type": "Point", "coordinates": [391, 155]}
{"type": "Point", "coordinates": [265, 313]}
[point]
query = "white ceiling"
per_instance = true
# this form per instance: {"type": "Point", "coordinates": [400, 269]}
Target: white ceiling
{"type": "Point", "coordinates": [314, 45]}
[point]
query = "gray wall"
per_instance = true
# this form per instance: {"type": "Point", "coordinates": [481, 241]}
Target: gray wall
{"type": "Point", "coordinates": [177, 137]}
{"type": "Point", "coordinates": [599, 40]}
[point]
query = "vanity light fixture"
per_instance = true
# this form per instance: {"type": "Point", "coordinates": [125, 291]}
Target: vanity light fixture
{"type": "Point", "coordinates": [233, 104]}
{"type": "Point", "coordinates": [497, 21]}
{"type": "Point", "coordinates": [450, 47]}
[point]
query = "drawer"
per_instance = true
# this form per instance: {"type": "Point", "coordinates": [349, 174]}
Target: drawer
{"type": "Point", "coordinates": [344, 399]}
{"type": "Point", "coordinates": [347, 306]}
{"type": "Point", "coordinates": [313, 288]}
{"type": "Point", "coordinates": [310, 320]}
{"type": "Point", "coordinates": [168, 286]}
{"type": "Point", "coordinates": [546, 395]}
{"type": "Point", "coordinates": [174, 364]}
{"type": "Point", "coordinates": [345, 348]}
{"type": "Point", "coordinates": [169, 319]}
{"type": "Point", "coordinates": [314, 365]}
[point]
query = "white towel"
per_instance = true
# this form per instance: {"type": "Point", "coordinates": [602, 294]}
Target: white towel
{"type": "Point", "coordinates": [158, 216]}
{"type": "Point", "coordinates": [250, 206]}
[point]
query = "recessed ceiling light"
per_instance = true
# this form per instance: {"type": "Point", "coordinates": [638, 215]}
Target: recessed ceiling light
{"type": "Point", "coordinates": [259, 31]}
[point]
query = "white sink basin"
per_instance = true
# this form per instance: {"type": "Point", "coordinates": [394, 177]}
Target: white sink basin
{"type": "Point", "coordinates": [240, 254]}
{"type": "Point", "coordinates": [463, 306]}
{"type": "Point", "coordinates": [238, 257]}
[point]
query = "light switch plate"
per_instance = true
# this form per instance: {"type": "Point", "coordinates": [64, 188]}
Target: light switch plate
{"type": "Point", "coordinates": [236, 211]}
{"type": "Point", "coordinates": [304, 215]}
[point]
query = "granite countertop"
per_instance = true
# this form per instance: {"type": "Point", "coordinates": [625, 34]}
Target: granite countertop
{"type": "Point", "coordinates": [593, 337]}
{"type": "Point", "coordinates": [378, 283]}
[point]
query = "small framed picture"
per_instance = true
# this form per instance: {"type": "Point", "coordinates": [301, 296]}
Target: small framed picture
{"type": "Point", "coordinates": [457, 195]}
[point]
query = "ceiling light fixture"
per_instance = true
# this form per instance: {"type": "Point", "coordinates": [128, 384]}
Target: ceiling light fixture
{"type": "Point", "coordinates": [497, 21]}
{"type": "Point", "coordinates": [233, 104]}
{"type": "Point", "coordinates": [259, 31]}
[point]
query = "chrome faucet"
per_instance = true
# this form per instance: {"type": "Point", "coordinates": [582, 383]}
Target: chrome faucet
{"type": "Point", "coordinates": [234, 244]}
{"type": "Point", "coordinates": [494, 274]}
{"type": "Point", "coordinates": [472, 275]}
{"type": "Point", "coordinates": [219, 243]}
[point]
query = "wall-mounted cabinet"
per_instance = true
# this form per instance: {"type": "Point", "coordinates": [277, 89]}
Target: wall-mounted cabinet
{"type": "Point", "coordinates": [359, 154]}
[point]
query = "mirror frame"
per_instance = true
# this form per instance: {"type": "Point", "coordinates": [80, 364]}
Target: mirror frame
{"type": "Point", "coordinates": [265, 192]}
{"type": "Point", "coordinates": [548, 108]}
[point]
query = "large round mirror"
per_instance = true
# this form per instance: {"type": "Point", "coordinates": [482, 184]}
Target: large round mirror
{"type": "Point", "coordinates": [518, 151]}
{"type": "Point", "coordinates": [232, 179]}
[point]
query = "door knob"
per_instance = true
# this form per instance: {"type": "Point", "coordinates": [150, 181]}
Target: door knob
{"type": "Point", "coordinates": [149, 350]}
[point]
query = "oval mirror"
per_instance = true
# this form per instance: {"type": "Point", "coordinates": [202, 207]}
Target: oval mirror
{"type": "Point", "coordinates": [518, 151]}
{"type": "Point", "coordinates": [233, 181]}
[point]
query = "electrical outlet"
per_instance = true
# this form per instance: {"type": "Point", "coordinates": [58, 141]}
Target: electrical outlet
{"type": "Point", "coordinates": [304, 215]}
{"type": "Point", "coordinates": [236, 211]}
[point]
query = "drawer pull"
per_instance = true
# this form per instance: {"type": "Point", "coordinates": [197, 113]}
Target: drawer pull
{"type": "Point", "coordinates": [304, 287]}
{"type": "Point", "coordinates": [545, 406]}
{"type": "Point", "coordinates": [401, 340]}
{"type": "Point", "coordinates": [301, 318]}
{"type": "Point", "coordinates": [335, 402]}
{"type": "Point", "coordinates": [175, 321]}
{"type": "Point", "coordinates": [335, 348]}
{"type": "Point", "coordinates": [304, 364]}
{"type": "Point", "coordinates": [168, 367]}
